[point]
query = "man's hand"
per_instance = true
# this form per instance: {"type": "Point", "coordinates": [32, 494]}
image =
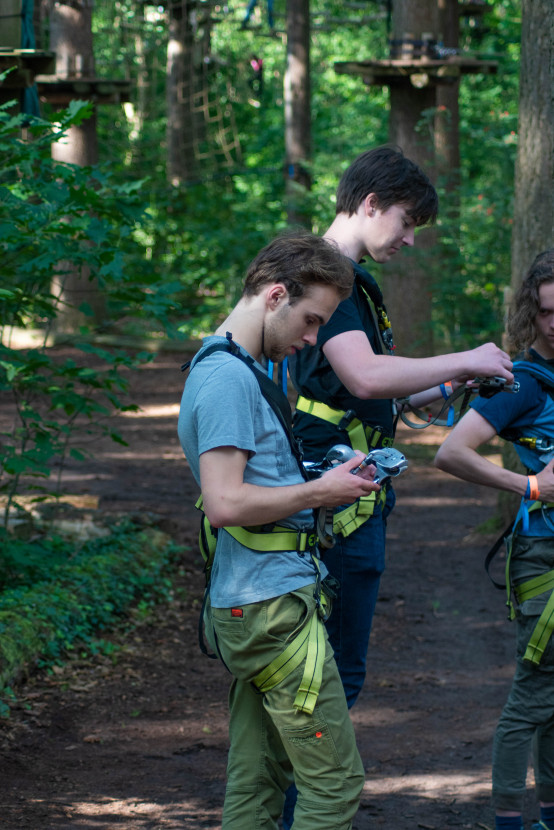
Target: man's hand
{"type": "Point", "coordinates": [339, 486]}
{"type": "Point", "coordinates": [487, 361]}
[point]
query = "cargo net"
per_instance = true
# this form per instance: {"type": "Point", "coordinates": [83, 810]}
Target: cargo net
{"type": "Point", "coordinates": [165, 51]}
{"type": "Point", "coordinates": [202, 134]}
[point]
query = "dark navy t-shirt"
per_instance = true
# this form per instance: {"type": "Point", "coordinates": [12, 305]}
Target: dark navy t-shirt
{"type": "Point", "coordinates": [521, 411]}
{"type": "Point", "coordinates": [313, 377]}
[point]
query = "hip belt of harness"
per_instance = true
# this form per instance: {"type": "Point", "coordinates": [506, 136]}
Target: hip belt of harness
{"type": "Point", "coordinates": [270, 539]}
{"type": "Point", "coordinates": [362, 436]}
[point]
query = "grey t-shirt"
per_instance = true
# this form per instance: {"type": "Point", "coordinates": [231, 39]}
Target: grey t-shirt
{"type": "Point", "coordinates": [222, 406]}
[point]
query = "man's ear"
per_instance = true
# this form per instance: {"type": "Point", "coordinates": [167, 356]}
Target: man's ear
{"type": "Point", "coordinates": [276, 295]}
{"type": "Point", "coordinates": [371, 204]}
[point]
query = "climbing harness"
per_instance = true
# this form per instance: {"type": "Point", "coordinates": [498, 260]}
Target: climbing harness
{"type": "Point", "coordinates": [309, 643]}
{"type": "Point", "coordinates": [535, 451]}
{"type": "Point", "coordinates": [528, 589]}
{"type": "Point", "coordinates": [387, 461]}
{"type": "Point", "coordinates": [362, 437]}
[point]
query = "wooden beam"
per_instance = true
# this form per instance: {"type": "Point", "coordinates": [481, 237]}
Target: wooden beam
{"type": "Point", "coordinates": [386, 72]}
{"type": "Point", "coordinates": [60, 91]}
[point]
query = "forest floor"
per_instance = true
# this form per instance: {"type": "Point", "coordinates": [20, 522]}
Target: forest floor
{"type": "Point", "coordinates": [138, 739]}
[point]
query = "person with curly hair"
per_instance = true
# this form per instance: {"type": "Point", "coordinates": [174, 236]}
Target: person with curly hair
{"type": "Point", "coordinates": [527, 419]}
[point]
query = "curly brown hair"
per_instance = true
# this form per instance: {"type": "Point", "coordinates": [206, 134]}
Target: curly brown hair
{"type": "Point", "coordinates": [521, 319]}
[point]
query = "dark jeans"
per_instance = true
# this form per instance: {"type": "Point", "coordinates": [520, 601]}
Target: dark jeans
{"type": "Point", "coordinates": [357, 561]}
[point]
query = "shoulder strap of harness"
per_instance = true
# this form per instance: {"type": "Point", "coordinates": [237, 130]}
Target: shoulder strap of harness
{"type": "Point", "coordinates": [274, 396]}
{"type": "Point", "coordinates": [373, 293]}
{"type": "Point", "coordinates": [543, 372]}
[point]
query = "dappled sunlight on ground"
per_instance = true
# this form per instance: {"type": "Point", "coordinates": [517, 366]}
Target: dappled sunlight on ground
{"type": "Point", "coordinates": [169, 410]}
{"type": "Point", "coordinates": [444, 786]}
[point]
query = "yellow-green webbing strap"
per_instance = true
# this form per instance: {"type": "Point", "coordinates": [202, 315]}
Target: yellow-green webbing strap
{"type": "Point", "coordinates": [355, 429]}
{"type": "Point", "coordinates": [352, 517]}
{"type": "Point", "coordinates": [308, 646]}
{"type": "Point", "coordinates": [272, 541]}
{"type": "Point", "coordinates": [545, 626]}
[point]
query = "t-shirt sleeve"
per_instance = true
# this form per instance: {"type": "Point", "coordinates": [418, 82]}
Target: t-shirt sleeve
{"type": "Point", "coordinates": [225, 408]}
{"type": "Point", "coordinates": [345, 318]}
{"type": "Point", "coordinates": [512, 409]}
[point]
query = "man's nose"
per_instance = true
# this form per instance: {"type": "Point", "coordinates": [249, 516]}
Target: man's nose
{"type": "Point", "coordinates": [409, 237]}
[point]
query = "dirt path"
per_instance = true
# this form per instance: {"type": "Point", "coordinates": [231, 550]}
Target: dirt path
{"type": "Point", "coordinates": [138, 740]}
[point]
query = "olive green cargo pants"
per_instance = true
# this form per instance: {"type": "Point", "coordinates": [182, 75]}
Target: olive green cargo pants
{"type": "Point", "coordinates": [271, 743]}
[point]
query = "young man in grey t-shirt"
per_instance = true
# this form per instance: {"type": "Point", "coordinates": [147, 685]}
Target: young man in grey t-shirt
{"type": "Point", "coordinates": [265, 606]}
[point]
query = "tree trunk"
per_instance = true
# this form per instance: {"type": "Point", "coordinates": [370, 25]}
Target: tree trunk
{"type": "Point", "coordinates": [447, 122]}
{"type": "Point", "coordinates": [407, 286]}
{"type": "Point", "coordinates": [71, 40]}
{"type": "Point", "coordinates": [533, 228]}
{"type": "Point", "coordinates": [181, 161]}
{"type": "Point", "coordinates": [137, 110]}
{"type": "Point", "coordinates": [297, 111]}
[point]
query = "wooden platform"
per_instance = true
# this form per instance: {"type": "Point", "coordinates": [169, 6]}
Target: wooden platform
{"type": "Point", "coordinates": [60, 91]}
{"type": "Point", "coordinates": [26, 64]}
{"type": "Point", "coordinates": [420, 72]}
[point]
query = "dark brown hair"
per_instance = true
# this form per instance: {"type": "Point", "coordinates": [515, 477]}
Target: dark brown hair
{"type": "Point", "coordinates": [394, 179]}
{"type": "Point", "coordinates": [299, 259]}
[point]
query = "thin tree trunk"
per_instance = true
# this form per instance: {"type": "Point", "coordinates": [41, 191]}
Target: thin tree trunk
{"type": "Point", "coordinates": [297, 111]}
{"type": "Point", "coordinates": [181, 162]}
{"type": "Point", "coordinates": [71, 40]}
{"type": "Point", "coordinates": [533, 227]}
{"type": "Point", "coordinates": [447, 121]}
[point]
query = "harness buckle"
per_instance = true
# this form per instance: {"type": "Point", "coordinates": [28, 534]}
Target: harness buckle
{"type": "Point", "coordinates": [301, 542]}
{"type": "Point", "coordinates": [348, 416]}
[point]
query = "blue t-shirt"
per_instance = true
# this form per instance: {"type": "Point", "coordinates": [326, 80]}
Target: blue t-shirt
{"type": "Point", "coordinates": [222, 406]}
{"type": "Point", "coordinates": [520, 411]}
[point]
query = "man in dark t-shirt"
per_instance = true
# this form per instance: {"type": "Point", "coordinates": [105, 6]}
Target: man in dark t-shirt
{"type": "Point", "coordinates": [347, 383]}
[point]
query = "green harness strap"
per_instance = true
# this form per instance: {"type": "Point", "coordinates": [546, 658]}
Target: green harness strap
{"type": "Point", "coordinates": [545, 626]}
{"type": "Point", "coordinates": [361, 438]}
{"type": "Point", "coordinates": [528, 590]}
{"type": "Point", "coordinates": [274, 539]}
{"type": "Point", "coordinates": [308, 646]}
{"type": "Point", "coordinates": [309, 643]}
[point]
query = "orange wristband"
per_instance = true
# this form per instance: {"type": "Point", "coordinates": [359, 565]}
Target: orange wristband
{"type": "Point", "coordinates": [534, 493]}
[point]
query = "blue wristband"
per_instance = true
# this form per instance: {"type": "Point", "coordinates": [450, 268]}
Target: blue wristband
{"type": "Point", "coordinates": [446, 389]}
{"type": "Point", "coordinates": [528, 489]}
